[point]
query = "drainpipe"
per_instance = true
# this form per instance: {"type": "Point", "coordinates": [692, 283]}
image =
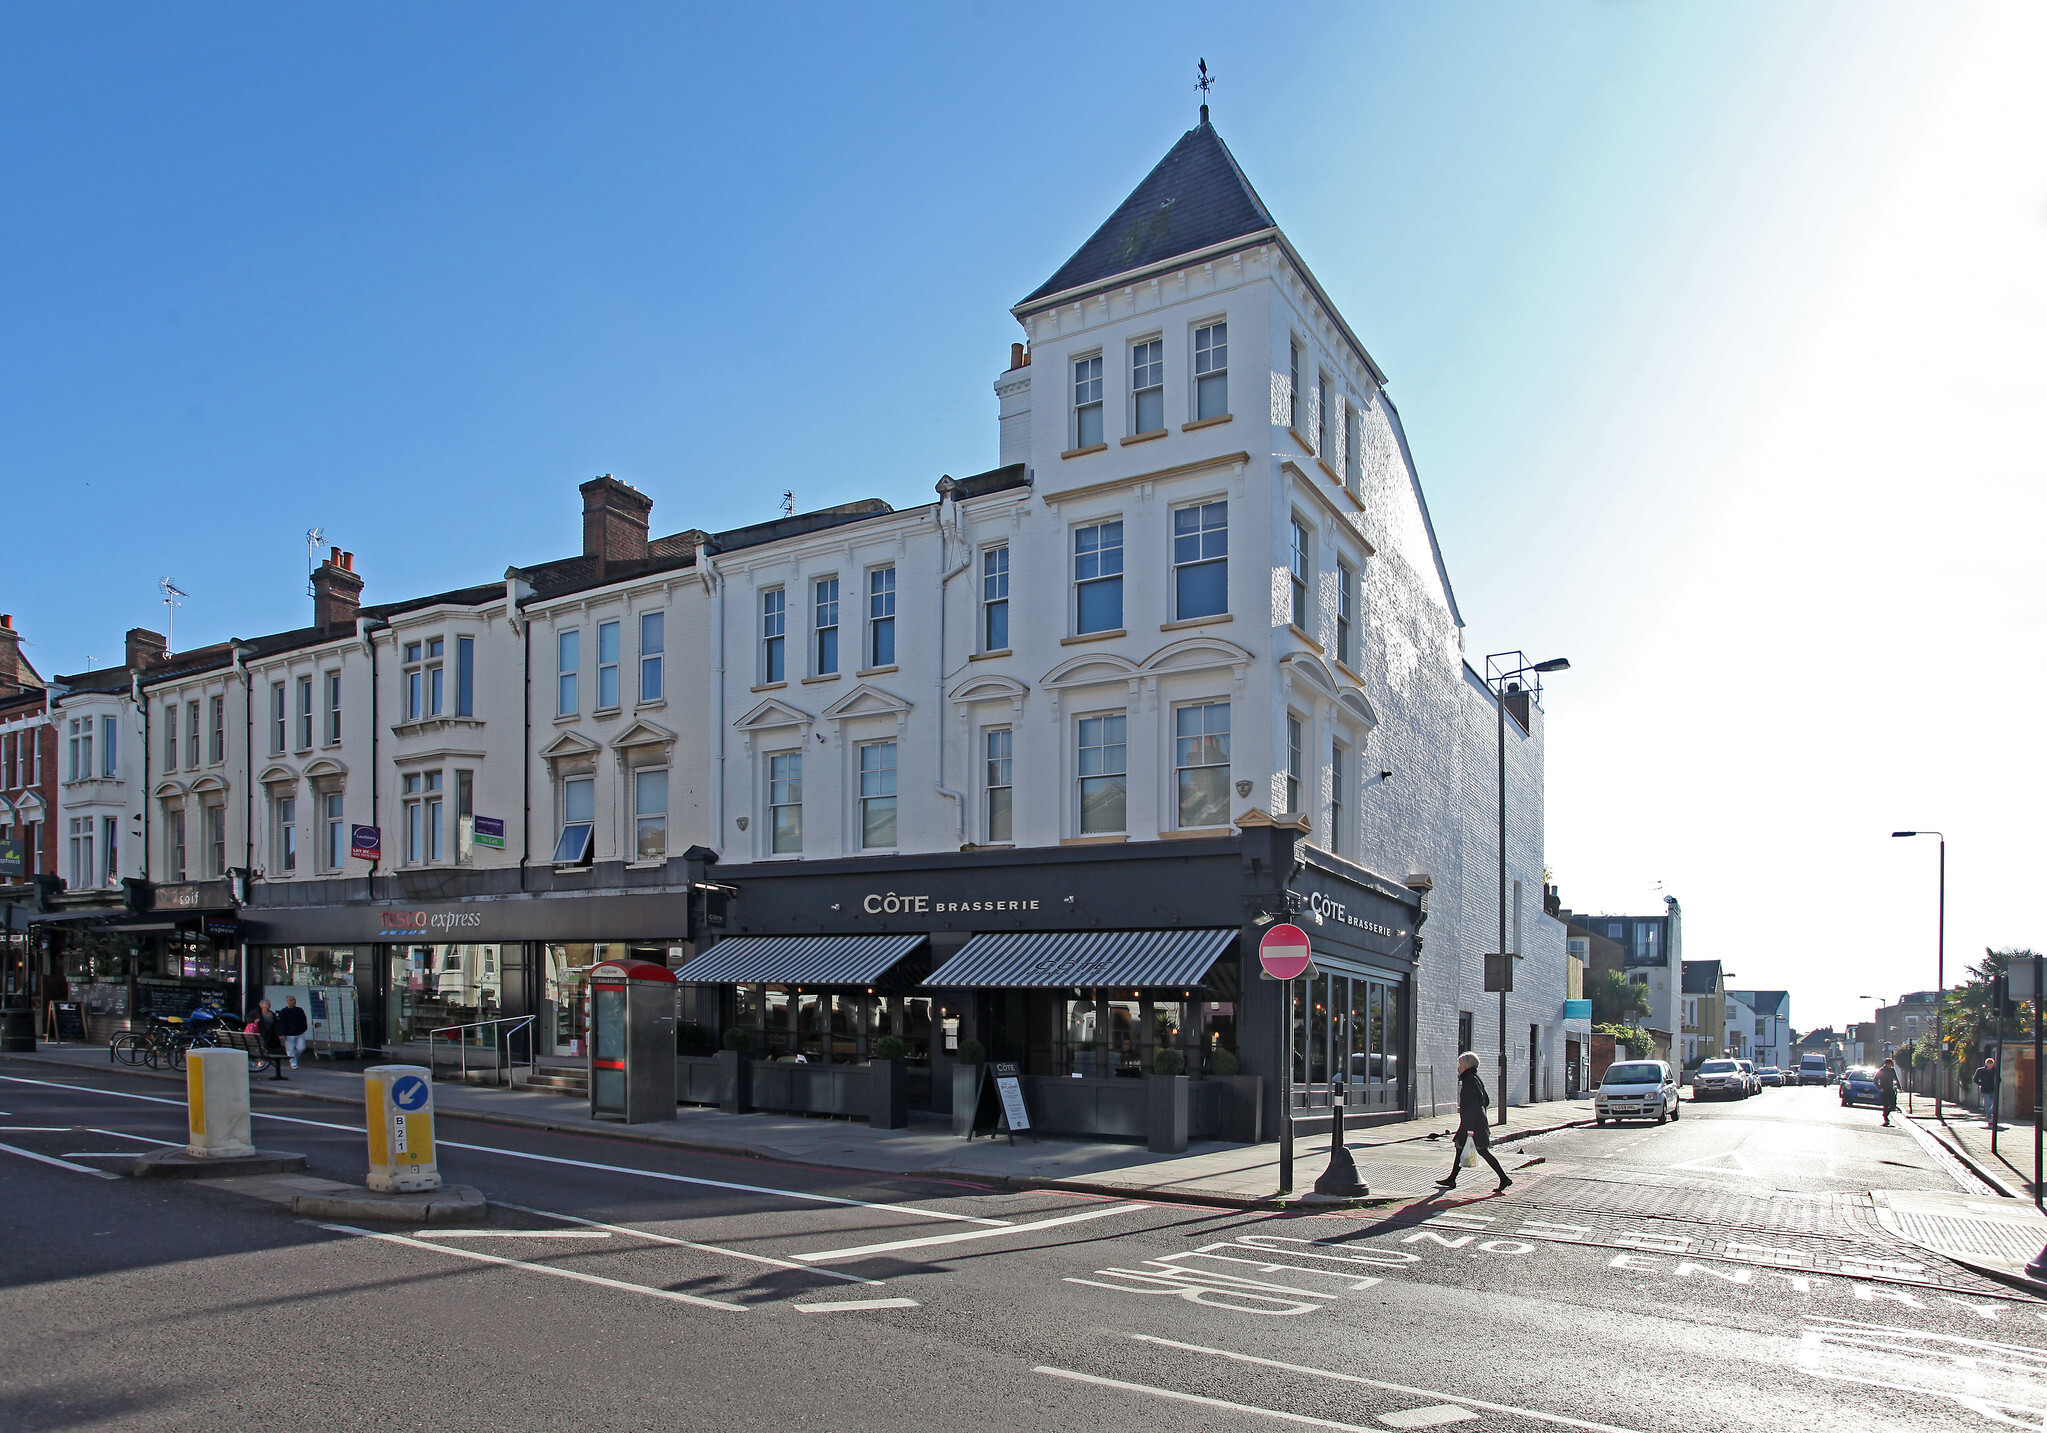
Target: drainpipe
{"type": "Point", "coordinates": [367, 628]}
{"type": "Point", "coordinates": [517, 590]}
{"type": "Point", "coordinates": [947, 488]}
{"type": "Point", "coordinates": [135, 695]}
{"type": "Point", "coordinates": [707, 566]}
{"type": "Point", "coordinates": [242, 654]}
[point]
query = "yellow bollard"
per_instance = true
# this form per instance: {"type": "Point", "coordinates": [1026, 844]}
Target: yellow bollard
{"type": "Point", "coordinates": [217, 1104]}
{"type": "Point", "coordinates": [399, 1105]}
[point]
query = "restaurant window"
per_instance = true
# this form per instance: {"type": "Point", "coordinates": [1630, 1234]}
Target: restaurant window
{"type": "Point", "coordinates": [653, 644]}
{"type": "Point", "coordinates": [277, 718]}
{"type": "Point", "coordinates": [1103, 774]}
{"type": "Point", "coordinates": [305, 713]}
{"type": "Point", "coordinates": [579, 821]}
{"type": "Point", "coordinates": [1098, 577]}
{"type": "Point", "coordinates": [785, 803]}
{"type": "Point", "coordinates": [1201, 567]}
{"type": "Point", "coordinates": [465, 676]}
{"type": "Point", "coordinates": [333, 733]}
{"type": "Point", "coordinates": [774, 634]}
{"type": "Point", "coordinates": [995, 598]}
{"type": "Point", "coordinates": [650, 814]}
{"type": "Point", "coordinates": [607, 666]}
{"type": "Point", "coordinates": [996, 778]}
{"type": "Point", "coordinates": [568, 661]}
{"type": "Point", "coordinates": [1212, 371]}
{"type": "Point", "coordinates": [878, 794]}
{"type": "Point", "coordinates": [1201, 764]}
{"type": "Point", "coordinates": [284, 815]}
{"type": "Point", "coordinates": [881, 617]}
{"type": "Point", "coordinates": [824, 623]}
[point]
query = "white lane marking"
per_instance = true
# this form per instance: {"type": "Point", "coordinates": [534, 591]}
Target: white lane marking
{"type": "Point", "coordinates": [859, 1250]}
{"type": "Point", "coordinates": [848, 1306]}
{"type": "Point", "coordinates": [514, 1234]}
{"type": "Point", "coordinates": [99, 1154]}
{"type": "Point", "coordinates": [1995, 1381]}
{"type": "Point", "coordinates": [1178, 1397]}
{"type": "Point", "coordinates": [143, 1138]}
{"type": "Point", "coordinates": [1434, 1417]}
{"type": "Point", "coordinates": [691, 1244]}
{"type": "Point", "coordinates": [60, 1163]}
{"type": "Point", "coordinates": [1509, 1408]}
{"type": "Point", "coordinates": [555, 1159]}
{"type": "Point", "coordinates": [577, 1275]}
{"type": "Point", "coordinates": [38, 1129]}
{"type": "Point", "coordinates": [1710, 1164]}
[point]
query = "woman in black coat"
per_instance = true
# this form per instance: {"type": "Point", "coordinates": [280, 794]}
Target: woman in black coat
{"type": "Point", "coordinates": [1472, 1102]}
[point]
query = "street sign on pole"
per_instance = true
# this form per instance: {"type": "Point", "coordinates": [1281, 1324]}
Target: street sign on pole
{"type": "Point", "coordinates": [1285, 955]}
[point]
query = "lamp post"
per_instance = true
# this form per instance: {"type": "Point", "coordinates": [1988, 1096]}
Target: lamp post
{"type": "Point", "coordinates": [1499, 677]}
{"type": "Point", "coordinates": [1940, 974]}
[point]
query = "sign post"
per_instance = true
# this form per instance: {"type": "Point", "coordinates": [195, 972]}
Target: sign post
{"type": "Point", "coordinates": [1285, 955]}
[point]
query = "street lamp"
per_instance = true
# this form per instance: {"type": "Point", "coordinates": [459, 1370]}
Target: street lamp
{"type": "Point", "coordinates": [1940, 973]}
{"type": "Point", "coordinates": [1499, 677]}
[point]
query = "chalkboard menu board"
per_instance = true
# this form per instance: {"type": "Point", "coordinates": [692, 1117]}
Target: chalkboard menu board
{"type": "Point", "coordinates": [69, 1019]}
{"type": "Point", "coordinates": [177, 1000]}
{"type": "Point", "coordinates": [1000, 1107]}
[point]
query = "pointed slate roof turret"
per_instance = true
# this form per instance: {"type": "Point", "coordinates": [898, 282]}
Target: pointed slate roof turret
{"type": "Point", "coordinates": [1194, 199]}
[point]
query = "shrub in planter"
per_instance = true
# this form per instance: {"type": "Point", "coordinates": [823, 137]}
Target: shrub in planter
{"type": "Point", "coordinates": [738, 1039]}
{"type": "Point", "coordinates": [1225, 1063]}
{"type": "Point", "coordinates": [1169, 1062]}
{"type": "Point", "coordinates": [970, 1053]}
{"type": "Point", "coordinates": [888, 1047]}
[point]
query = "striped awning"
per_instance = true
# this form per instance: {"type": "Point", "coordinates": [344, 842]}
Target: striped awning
{"type": "Point", "coordinates": [1136, 958]}
{"type": "Point", "coordinates": [799, 959]}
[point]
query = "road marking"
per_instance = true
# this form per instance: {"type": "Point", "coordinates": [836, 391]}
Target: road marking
{"type": "Point", "coordinates": [60, 1163]}
{"type": "Point", "coordinates": [552, 1159]}
{"type": "Point", "coordinates": [38, 1129]}
{"type": "Point", "coordinates": [1993, 1380]}
{"type": "Point", "coordinates": [1204, 1401]}
{"type": "Point", "coordinates": [515, 1234]}
{"type": "Point", "coordinates": [861, 1250]}
{"type": "Point", "coordinates": [574, 1274]}
{"type": "Point", "coordinates": [691, 1244]}
{"type": "Point", "coordinates": [1706, 1164]}
{"type": "Point", "coordinates": [1518, 1412]}
{"type": "Point", "coordinates": [1434, 1417]}
{"type": "Point", "coordinates": [848, 1306]}
{"type": "Point", "coordinates": [99, 1154]}
{"type": "Point", "coordinates": [143, 1138]}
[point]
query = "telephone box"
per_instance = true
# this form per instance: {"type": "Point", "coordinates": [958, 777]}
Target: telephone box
{"type": "Point", "coordinates": [632, 1041]}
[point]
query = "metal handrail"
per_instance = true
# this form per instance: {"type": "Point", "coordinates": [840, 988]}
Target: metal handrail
{"type": "Point", "coordinates": [516, 1022]}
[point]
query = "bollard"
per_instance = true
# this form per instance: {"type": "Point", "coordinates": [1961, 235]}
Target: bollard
{"type": "Point", "coordinates": [399, 1102]}
{"type": "Point", "coordinates": [217, 1103]}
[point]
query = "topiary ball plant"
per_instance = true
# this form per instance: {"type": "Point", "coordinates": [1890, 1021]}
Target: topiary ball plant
{"type": "Point", "coordinates": [1225, 1063]}
{"type": "Point", "coordinates": [738, 1039]}
{"type": "Point", "coordinates": [1169, 1062]}
{"type": "Point", "coordinates": [970, 1053]}
{"type": "Point", "coordinates": [888, 1047]}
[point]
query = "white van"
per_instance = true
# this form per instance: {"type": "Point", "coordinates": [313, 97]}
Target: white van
{"type": "Point", "coordinates": [1812, 1070]}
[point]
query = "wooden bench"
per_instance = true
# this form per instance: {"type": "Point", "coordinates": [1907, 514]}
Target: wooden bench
{"type": "Point", "coordinates": [252, 1046]}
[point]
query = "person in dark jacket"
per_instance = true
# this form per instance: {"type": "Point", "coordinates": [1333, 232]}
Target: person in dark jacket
{"type": "Point", "coordinates": [1986, 1083]}
{"type": "Point", "coordinates": [267, 1038]}
{"type": "Point", "coordinates": [291, 1028]}
{"type": "Point", "coordinates": [1472, 1102]}
{"type": "Point", "coordinates": [1887, 1088]}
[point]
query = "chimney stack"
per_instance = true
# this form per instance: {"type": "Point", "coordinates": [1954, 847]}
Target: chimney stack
{"type": "Point", "coordinates": [337, 592]}
{"type": "Point", "coordinates": [1016, 355]}
{"type": "Point", "coordinates": [144, 648]}
{"type": "Point", "coordinates": [10, 657]}
{"type": "Point", "coordinates": [614, 521]}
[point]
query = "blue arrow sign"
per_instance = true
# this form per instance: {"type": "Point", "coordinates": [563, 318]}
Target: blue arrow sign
{"type": "Point", "coordinates": [410, 1093]}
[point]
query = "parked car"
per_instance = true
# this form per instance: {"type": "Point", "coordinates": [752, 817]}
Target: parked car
{"type": "Point", "coordinates": [1636, 1090]}
{"type": "Point", "coordinates": [1858, 1086]}
{"type": "Point", "coordinates": [1748, 1073]}
{"type": "Point", "coordinates": [1721, 1080]}
{"type": "Point", "coordinates": [1771, 1076]}
{"type": "Point", "coordinates": [1813, 1070]}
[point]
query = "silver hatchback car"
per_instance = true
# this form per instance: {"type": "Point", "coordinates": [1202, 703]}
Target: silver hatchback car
{"type": "Point", "coordinates": [1636, 1090]}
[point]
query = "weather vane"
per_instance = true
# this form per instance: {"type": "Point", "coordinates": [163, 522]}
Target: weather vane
{"type": "Point", "coordinates": [1202, 84]}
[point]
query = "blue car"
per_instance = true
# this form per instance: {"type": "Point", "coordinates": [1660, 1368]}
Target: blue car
{"type": "Point", "coordinates": [1858, 1086]}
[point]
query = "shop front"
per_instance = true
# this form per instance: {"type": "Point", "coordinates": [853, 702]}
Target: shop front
{"type": "Point", "coordinates": [393, 975]}
{"type": "Point", "coordinates": [1093, 969]}
{"type": "Point", "coordinates": [121, 966]}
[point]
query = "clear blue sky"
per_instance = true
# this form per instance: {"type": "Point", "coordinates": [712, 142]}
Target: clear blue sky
{"type": "Point", "coordinates": [412, 273]}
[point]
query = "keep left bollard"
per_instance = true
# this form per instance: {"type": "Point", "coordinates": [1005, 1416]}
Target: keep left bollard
{"type": "Point", "coordinates": [399, 1105]}
{"type": "Point", "coordinates": [217, 1104]}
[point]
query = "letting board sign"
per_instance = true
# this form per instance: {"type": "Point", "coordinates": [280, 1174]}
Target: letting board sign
{"type": "Point", "coordinates": [490, 831]}
{"type": "Point", "coordinates": [365, 843]}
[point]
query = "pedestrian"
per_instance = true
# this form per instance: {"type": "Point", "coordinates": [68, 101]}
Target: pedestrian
{"type": "Point", "coordinates": [291, 1028]}
{"type": "Point", "coordinates": [266, 1034]}
{"type": "Point", "coordinates": [1472, 1102]}
{"type": "Point", "coordinates": [1986, 1081]}
{"type": "Point", "coordinates": [1887, 1086]}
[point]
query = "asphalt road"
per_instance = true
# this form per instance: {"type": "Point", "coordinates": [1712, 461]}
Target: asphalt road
{"type": "Point", "coordinates": [1637, 1279]}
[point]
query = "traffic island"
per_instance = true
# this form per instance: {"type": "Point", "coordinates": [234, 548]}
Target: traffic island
{"type": "Point", "coordinates": [183, 1164]}
{"type": "Point", "coordinates": [450, 1204]}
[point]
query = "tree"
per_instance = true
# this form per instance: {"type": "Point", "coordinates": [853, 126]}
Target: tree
{"type": "Point", "coordinates": [1614, 1000]}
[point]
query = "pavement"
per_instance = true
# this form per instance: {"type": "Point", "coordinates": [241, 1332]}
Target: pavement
{"type": "Point", "coordinates": [1728, 1271]}
{"type": "Point", "coordinates": [1399, 1163]}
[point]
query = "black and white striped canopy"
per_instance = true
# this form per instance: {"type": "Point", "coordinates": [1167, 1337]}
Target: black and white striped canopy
{"type": "Point", "coordinates": [1139, 959]}
{"type": "Point", "coordinates": [799, 959]}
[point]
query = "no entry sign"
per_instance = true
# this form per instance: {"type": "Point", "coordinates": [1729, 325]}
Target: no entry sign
{"type": "Point", "coordinates": [1284, 952]}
